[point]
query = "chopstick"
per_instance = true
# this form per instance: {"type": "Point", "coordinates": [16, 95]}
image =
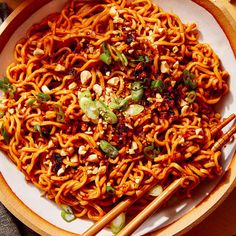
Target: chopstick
{"type": "Point", "coordinates": [151, 208]}
{"type": "Point", "coordinates": [226, 121]}
{"type": "Point", "coordinates": [125, 204]}
{"type": "Point", "coordinates": [168, 192]}
{"type": "Point", "coordinates": [122, 206]}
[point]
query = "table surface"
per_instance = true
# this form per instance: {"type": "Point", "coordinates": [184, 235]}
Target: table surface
{"type": "Point", "coordinates": [222, 222]}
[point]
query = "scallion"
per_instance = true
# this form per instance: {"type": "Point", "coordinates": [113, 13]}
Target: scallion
{"type": "Point", "coordinates": [110, 190]}
{"type": "Point", "coordinates": [2, 114]}
{"type": "Point", "coordinates": [105, 56]}
{"type": "Point", "coordinates": [142, 58]}
{"type": "Point", "coordinates": [133, 110]}
{"type": "Point", "coordinates": [137, 91]}
{"type": "Point", "coordinates": [7, 87]}
{"type": "Point", "coordinates": [43, 97]}
{"type": "Point", "coordinates": [107, 148]}
{"type": "Point", "coordinates": [191, 97]}
{"type": "Point", "coordinates": [119, 104]}
{"type": "Point", "coordinates": [189, 79]}
{"type": "Point", "coordinates": [107, 114]}
{"type": "Point", "coordinates": [157, 85]}
{"type": "Point", "coordinates": [59, 112]}
{"type": "Point", "coordinates": [5, 134]}
{"type": "Point", "coordinates": [151, 151]}
{"type": "Point", "coordinates": [120, 56]}
{"type": "Point", "coordinates": [38, 128]}
{"type": "Point", "coordinates": [89, 107]}
{"type": "Point", "coordinates": [67, 213]}
{"type": "Point", "coordinates": [118, 223]}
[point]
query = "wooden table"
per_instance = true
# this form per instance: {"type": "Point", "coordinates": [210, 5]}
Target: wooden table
{"type": "Point", "coordinates": [222, 222]}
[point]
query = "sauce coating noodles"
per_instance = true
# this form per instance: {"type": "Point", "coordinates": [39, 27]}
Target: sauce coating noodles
{"type": "Point", "coordinates": [108, 96]}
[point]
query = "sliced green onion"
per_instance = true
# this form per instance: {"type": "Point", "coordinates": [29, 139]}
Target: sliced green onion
{"type": "Point", "coordinates": [89, 107]}
{"type": "Point", "coordinates": [5, 134]}
{"type": "Point", "coordinates": [107, 114]}
{"type": "Point", "coordinates": [124, 60]}
{"type": "Point", "coordinates": [67, 217]}
{"type": "Point", "coordinates": [86, 94]}
{"type": "Point", "coordinates": [137, 91]}
{"type": "Point", "coordinates": [120, 56]}
{"type": "Point", "coordinates": [119, 104]}
{"type": "Point", "coordinates": [118, 223]}
{"type": "Point", "coordinates": [1, 114]}
{"type": "Point", "coordinates": [188, 79]}
{"type": "Point", "coordinates": [31, 103]}
{"type": "Point", "coordinates": [43, 97]}
{"type": "Point", "coordinates": [12, 90]}
{"type": "Point", "coordinates": [66, 208]}
{"type": "Point", "coordinates": [59, 112]}
{"type": "Point", "coordinates": [142, 58]}
{"type": "Point", "coordinates": [151, 151]}
{"type": "Point", "coordinates": [110, 190]}
{"type": "Point", "coordinates": [67, 213]}
{"type": "Point", "coordinates": [133, 110]}
{"type": "Point", "coordinates": [155, 191]}
{"type": "Point", "coordinates": [191, 97]}
{"type": "Point", "coordinates": [105, 56]}
{"type": "Point", "coordinates": [158, 85]}
{"type": "Point", "coordinates": [5, 84]}
{"type": "Point", "coordinates": [107, 148]}
{"type": "Point", "coordinates": [7, 87]}
{"type": "Point", "coordinates": [38, 128]}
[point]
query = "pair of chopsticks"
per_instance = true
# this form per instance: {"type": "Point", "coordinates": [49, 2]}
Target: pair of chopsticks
{"type": "Point", "coordinates": [158, 201]}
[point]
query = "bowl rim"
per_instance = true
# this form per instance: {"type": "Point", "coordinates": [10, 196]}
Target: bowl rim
{"type": "Point", "coordinates": [183, 224]}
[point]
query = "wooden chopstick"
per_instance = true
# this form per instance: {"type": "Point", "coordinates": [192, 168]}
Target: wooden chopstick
{"type": "Point", "coordinates": [167, 193]}
{"type": "Point", "coordinates": [121, 207]}
{"type": "Point", "coordinates": [125, 204]}
{"type": "Point", "coordinates": [151, 208]}
{"type": "Point", "coordinates": [224, 139]}
{"type": "Point", "coordinates": [222, 124]}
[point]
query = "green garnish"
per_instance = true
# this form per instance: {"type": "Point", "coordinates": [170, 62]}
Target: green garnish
{"type": "Point", "coordinates": [31, 103]}
{"type": "Point", "coordinates": [137, 91]}
{"type": "Point", "coordinates": [89, 107]}
{"type": "Point", "coordinates": [119, 104]}
{"type": "Point", "coordinates": [151, 151]}
{"type": "Point", "coordinates": [5, 84]}
{"type": "Point", "coordinates": [7, 87]}
{"type": "Point", "coordinates": [107, 148]}
{"type": "Point", "coordinates": [133, 110]}
{"type": "Point", "coordinates": [38, 128]}
{"type": "Point", "coordinates": [40, 98]}
{"type": "Point", "coordinates": [2, 114]}
{"type": "Point", "coordinates": [105, 56]}
{"type": "Point", "coordinates": [43, 97]}
{"type": "Point", "coordinates": [110, 190]}
{"type": "Point", "coordinates": [59, 112]}
{"type": "Point", "coordinates": [5, 134]}
{"type": "Point", "coordinates": [191, 97]}
{"type": "Point", "coordinates": [142, 58]}
{"type": "Point", "coordinates": [86, 94]}
{"type": "Point", "coordinates": [118, 223]}
{"type": "Point", "coordinates": [189, 79]}
{"type": "Point", "coordinates": [157, 85]}
{"type": "Point", "coordinates": [107, 114]}
{"type": "Point", "coordinates": [120, 56]}
{"type": "Point", "coordinates": [67, 213]}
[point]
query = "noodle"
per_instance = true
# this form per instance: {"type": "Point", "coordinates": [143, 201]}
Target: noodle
{"type": "Point", "coordinates": [111, 94]}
